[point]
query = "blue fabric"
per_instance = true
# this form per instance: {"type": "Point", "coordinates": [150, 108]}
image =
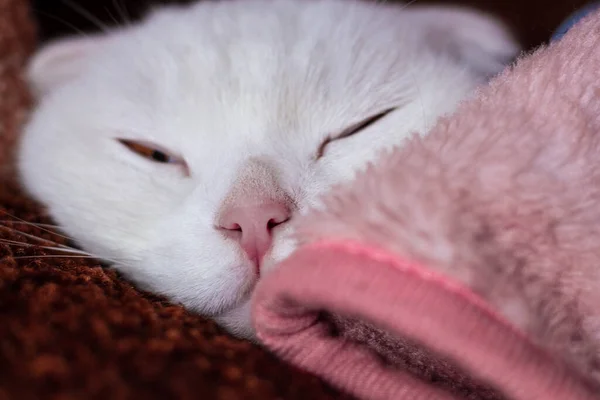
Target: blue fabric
{"type": "Point", "coordinates": [573, 19]}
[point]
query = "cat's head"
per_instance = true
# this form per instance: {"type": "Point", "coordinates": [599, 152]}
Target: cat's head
{"type": "Point", "coordinates": [178, 148]}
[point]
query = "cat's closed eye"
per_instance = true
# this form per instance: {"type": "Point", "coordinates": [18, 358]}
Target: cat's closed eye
{"type": "Point", "coordinates": [152, 152]}
{"type": "Point", "coordinates": [353, 129]}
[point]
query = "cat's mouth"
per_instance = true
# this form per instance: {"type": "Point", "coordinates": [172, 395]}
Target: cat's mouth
{"type": "Point", "coordinates": [257, 264]}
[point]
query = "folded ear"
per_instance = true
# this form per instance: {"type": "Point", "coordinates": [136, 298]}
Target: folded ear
{"type": "Point", "coordinates": [473, 38]}
{"type": "Point", "coordinates": [58, 62]}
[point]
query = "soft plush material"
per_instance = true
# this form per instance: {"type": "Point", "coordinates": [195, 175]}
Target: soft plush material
{"type": "Point", "coordinates": [464, 265]}
{"type": "Point", "coordinates": [70, 329]}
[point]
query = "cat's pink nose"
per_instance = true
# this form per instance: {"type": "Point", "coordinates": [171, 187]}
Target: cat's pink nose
{"type": "Point", "coordinates": [252, 226]}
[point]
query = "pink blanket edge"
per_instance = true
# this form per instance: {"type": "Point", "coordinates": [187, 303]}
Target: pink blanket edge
{"type": "Point", "coordinates": [370, 284]}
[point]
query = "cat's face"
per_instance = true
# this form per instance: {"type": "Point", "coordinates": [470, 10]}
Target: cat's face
{"type": "Point", "coordinates": [179, 148]}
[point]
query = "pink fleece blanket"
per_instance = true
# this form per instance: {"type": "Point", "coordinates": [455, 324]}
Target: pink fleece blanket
{"type": "Point", "coordinates": [465, 265]}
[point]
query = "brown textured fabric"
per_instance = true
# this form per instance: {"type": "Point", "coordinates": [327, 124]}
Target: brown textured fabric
{"type": "Point", "coordinates": [72, 330]}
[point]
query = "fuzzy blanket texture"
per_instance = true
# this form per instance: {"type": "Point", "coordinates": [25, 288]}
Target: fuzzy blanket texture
{"type": "Point", "coordinates": [463, 265]}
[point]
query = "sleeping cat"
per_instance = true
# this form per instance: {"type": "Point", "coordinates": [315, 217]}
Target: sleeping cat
{"type": "Point", "coordinates": [178, 148]}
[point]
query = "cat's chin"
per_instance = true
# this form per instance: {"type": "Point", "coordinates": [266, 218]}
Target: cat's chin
{"type": "Point", "coordinates": [238, 321]}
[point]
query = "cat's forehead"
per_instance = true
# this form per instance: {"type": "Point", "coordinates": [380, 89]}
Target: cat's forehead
{"type": "Point", "coordinates": [247, 68]}
{"type": "Point", "coordinates": [269, 51]}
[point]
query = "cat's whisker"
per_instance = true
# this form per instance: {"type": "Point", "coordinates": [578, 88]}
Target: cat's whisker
{"type": "Point", "coordinates": [39, 226]}
{"type": "Point", "coordinates": [53, 256]}
{"type": "Point", "coordinates": [44, 227]}
{"type": "Point", "coordinates": [24, 244]}
{"type": "Point", "coordinates": [405, 5]}
{"type": "Point", "coordinates": [47, 226]}
{"type": "Point", "coordinates": [49, 241]}
{"type": "Point", "coordinates": [122, 12]}
{"type": "Point", "coordinates": [87, 15]}
{"type": "Point", "coordinates": [78, 256]}
{"type": "Point", "coordinates": [62, 21]}
{"type": "Point", "coordinates": [16, 243]}
{"type": "Point", "coordinates": [57, 247]}
{"type": "Point", "coordinates": [110, 14]}
{"type": "Point", "coordinates": [33, 237]}
{"type": "Point", "coordinates": [40, 239]}
{"type": "Point", "coordinates": [54, 245]}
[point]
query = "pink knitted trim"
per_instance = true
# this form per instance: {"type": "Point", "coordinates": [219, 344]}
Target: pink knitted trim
{"type": "Point", "coordinates": [356, 281]}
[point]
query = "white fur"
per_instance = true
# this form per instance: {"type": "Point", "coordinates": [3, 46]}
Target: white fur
{"type": "Point", "coordinates": [226, 84]}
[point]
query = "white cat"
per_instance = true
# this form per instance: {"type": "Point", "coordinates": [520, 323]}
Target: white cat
{"type": "Point", "coordinates": [178, 148]}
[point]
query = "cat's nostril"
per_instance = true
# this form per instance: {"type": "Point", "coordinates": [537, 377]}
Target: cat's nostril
{"type": "Point", "coordinates": [254, 220]}
{"type": "Point", "coordinates": [234, 227]}
{"type": "Point", "coordinates": [273, 222]}
{"type": "Point", "coordinates": [230, 226]}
